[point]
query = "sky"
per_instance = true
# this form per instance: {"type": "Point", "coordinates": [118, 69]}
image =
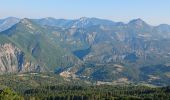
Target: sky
{"type": "Point", "coordinates": [153, 12]}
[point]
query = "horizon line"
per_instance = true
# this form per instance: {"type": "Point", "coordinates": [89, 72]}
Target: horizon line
{"type": "Point", "coordinates": [124, 22]}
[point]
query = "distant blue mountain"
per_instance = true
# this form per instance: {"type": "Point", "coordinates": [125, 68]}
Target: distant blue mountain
{"type": "Point", "coordinates": [78, 23]}
{"type": "Point", "coordinates": [8, 22]}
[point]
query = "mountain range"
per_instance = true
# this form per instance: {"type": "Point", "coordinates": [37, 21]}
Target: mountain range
{"type": "Point", "coordinates": [87, 48]}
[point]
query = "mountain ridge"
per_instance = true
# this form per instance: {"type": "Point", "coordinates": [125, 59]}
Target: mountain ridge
{"type": "Point", "coordinates": [30, 38]}
{"type": "Point", "coordinates": [64, 19]}
{"type": "Point", "coordinates": [94, 49]}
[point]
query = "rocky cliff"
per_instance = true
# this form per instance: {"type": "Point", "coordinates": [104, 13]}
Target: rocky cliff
{"type": "Point", "coordinates": [12, 59]}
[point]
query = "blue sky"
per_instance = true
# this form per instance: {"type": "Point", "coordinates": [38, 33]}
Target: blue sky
{"type": "Point", "coordinates": [152, 11]}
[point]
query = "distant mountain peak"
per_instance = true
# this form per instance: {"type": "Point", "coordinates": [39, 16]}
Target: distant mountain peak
{"type": "Point", "coordinates": [25, 20]}
{"type": "Point", "coordinates": [163, 25]}
{"type": "Point", "coordinates": [27, 23]}
{"type": "Point", "coordinates": [49, 18]}
{"type": "Point", "coordinates": [137, 22]}
{"type": "Point", "coordinates": [83, 18]}
{"type": "Point", "coordinates": [12, 18]}
{"type": "Point", "coordinates": [7, 23]}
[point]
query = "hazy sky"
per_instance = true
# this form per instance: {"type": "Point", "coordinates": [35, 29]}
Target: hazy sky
{"type": "Point", "coordinates": [152, 11]}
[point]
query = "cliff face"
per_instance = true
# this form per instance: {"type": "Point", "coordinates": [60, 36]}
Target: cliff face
{"type": "Point", "coordinates": [12, 60]}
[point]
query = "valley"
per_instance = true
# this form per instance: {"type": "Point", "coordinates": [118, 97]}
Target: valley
{"type": "Point", "coordinates": [87, 48]}
{"type": "Point", "coordinates": [84, 59]}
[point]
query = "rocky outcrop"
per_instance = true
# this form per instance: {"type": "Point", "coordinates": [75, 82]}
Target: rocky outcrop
{"type": "Point", "coordinates": [13, 60]}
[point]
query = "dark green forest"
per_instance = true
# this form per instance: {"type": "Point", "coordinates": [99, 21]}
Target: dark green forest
{"type": "Point", "coordinates": [75, 92]}
{"type": "Point", "coordinates": [103, 92]}
{"type": "Point", "coordinates": [46, 86]}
